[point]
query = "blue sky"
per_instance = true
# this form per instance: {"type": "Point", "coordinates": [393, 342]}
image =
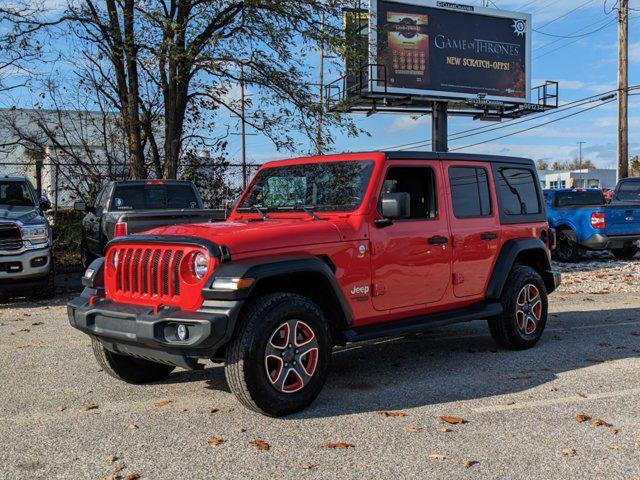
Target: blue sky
{"type": "Point", "coordinates": [583, 68]}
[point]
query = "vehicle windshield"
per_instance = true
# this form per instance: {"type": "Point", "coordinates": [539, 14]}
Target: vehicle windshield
{"type": "Point", "coordinates": [325, 186]}
{"type": "Point", "coordinates": [588, 197]}
{"type": "Point", "coordinates": [154, 197]}
{"type": "Point", "coordinates": [628, 192]}
{"type": "Point", "coordinates": [16, 194]}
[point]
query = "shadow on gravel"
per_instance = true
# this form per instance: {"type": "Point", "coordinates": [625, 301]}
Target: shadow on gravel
{"type": "Point", "coordinates": [68, 285]}
{"type": "Point", "coordinates": [463, 363]}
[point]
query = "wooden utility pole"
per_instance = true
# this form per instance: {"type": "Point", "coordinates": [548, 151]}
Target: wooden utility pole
{"type": "Point", "coordinates": [580, 155]}
{"type": "Point", "coordinates": [244, 133]}
{"type": "Point", "coordinates": [319, 138]}
{"type": "Point", "coordinates": [623, 89]}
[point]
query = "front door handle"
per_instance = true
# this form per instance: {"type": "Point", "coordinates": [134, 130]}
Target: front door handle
{"type": "Point", "coordinates": [488, 236]}
{"type": "Point", "coordinates": [437, 240]}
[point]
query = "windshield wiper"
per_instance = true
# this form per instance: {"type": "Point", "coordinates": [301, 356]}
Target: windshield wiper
{"type": "Point", "coordinates": [308, 209]}
{"type": "Point", "coordinates": [255, 208]}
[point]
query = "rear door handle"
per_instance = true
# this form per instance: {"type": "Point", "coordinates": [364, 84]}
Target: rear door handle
{"type": "Point", "coordinates": [488, 236]}
{"type": "Point", "coordinates": [438, 240]}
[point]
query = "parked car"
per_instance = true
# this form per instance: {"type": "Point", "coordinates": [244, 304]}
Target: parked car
{"type": "Point", "coordinates": [26, 263]}
{"type": "Point", "coordinates": [323, 251]}
{"type": "Point", "coordinates": [627, 191]}
{"type": "Point", "coordinates": [130, 207]}
{"type": "Point", "coordinates": [584, 221]}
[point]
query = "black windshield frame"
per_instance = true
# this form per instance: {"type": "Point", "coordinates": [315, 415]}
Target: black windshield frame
{"type": "Point", "coordinates": [314, 180]}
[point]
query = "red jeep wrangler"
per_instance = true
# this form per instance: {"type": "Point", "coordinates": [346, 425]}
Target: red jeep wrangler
{"type": "Point", "coordinates": [319, 252]}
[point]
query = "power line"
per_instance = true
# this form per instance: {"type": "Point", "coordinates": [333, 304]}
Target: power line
{"type": "Point", "coordinates": [566, 14]}
{"type": "Point", "coordinates": [571, 34]}
{"type": "Point", "coordinates": [612, 21]}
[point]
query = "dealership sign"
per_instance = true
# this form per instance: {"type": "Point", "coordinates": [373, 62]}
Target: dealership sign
{"type": "Point", "coordinates": [447, 50]}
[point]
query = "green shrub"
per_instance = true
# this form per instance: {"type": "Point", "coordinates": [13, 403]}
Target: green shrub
{"type": "Point", "coordinates": [67, 234]}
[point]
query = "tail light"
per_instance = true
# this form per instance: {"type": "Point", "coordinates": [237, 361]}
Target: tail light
{"type": "Point", "coordinates": [597, 220]}
{"type": "Point", "coordinates": [121, 230]}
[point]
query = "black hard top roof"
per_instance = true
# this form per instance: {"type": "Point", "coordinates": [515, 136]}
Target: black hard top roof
{"type": "Point", "coordinates": [468, 157]}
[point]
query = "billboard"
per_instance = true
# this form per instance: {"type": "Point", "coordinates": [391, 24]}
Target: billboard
{"type": "Point", "coordinates": [444, 49]}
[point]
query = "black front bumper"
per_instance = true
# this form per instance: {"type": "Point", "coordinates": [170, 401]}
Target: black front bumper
{"type": "Point", "coordinates": [600, 241]}
{"type": "Point", "coordinates": [140, 332]}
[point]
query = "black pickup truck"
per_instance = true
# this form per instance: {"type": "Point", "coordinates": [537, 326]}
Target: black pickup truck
{"type": "Point", "coordinates": [135, 206]}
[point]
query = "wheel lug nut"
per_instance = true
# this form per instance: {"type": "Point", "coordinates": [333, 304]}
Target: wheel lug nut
{"type": "Point", "coordinates": [294, 362]}
{"type": "Point", "coordinates": [296, 351]}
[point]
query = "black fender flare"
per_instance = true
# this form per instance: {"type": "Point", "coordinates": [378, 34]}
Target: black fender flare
{"type": "Point", "coordinates": [263, 268]}
{"type": "Point", "coordinates": [507, 258]}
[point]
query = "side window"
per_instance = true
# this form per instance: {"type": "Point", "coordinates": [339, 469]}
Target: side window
{"type": "Point", "coordinates": [470, 192]}
{"type": "Point", "coordinates": [517, 191]}
{"type": "Point", "coordinates": [420, 184]}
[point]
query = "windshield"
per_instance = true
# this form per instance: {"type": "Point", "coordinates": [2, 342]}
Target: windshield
{"type": "Point", "coordinates": [16, 194]}
{"type": "Point", "coordinates": [326, 186]}
{"type": "Point", "coordinates": [154, 197]}
{"type": "Point", "coordinates": [628, 192]}
{"type": "Point", "coordinates": [589, 197]}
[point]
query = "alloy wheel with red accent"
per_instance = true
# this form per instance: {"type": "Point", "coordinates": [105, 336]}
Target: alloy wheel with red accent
{"type": "Point", "coordinates": [524, 310]}
{"type": "Point", "coordinates": [291, 356]}
{"type": "Point", "coordinates": [529, 309]}
{"type": "Point", "coordinates": [278, 359]}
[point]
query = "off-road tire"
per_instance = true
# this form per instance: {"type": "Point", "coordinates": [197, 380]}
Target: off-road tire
{"type": "Point", "coordinates": [568, 249]}
{"type": "Point", "coordinates": [245, 358]}
{"type": "Point", "coordinates": [626, 253]}
{"type": "Point", "coordinates": [47, 290]}
{"type": "Point", "coordinates": [505, 327]}
{"type": "Point", "coordinates": [129, 369]}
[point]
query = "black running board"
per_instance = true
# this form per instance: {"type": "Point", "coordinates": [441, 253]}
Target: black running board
{"type": "Point", "coordinates": [399, 328]}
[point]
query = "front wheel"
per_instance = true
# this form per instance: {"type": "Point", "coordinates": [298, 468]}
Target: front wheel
{"type": "Point", "coordinates": [129, 369]}
{"type": "Point", "coordinates": [626, 253]}
{"type": "Point", "coordinates": [568, 249]}
{"type": "Point", "coordinates": [524, 310]}
{"type": "Point", "coordinates": [279, 358]}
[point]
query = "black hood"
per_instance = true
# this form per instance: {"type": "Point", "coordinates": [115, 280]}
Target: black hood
{"type": "Point", "coordinates": [25, 215]}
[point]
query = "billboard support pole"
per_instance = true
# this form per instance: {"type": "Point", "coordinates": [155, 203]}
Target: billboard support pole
{"type": "Point", "coordinates": [439, 127]}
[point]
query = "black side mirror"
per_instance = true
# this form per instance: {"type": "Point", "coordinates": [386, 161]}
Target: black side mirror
{"type": "Point", "coordinates": [45, 204]}
{"type": "Point", "coordinates": [80, 206]}
{"type": "Point", "coordinates": [394, 206]}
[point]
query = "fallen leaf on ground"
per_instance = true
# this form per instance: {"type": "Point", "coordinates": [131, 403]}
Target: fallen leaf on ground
{"type": "Point", "coordinates": [62, 408]}
{"type": "Point", "coordinates": [240, 430]}
{"type": "Point", "coordinates": [111, 458]}
{"type": "Point", "coordinates": [132, 476]}
{"type": "Point", "coordinates": [26, 330]}
{"type": "Point", "coordinates": [581, 417]}
{"type": "Point", "coordinates": [132, 426]}
{"type": "Point", "coordinates": [510, 402]}
{"type": "Point", "coordinates": [568, 452]}
{"type": "Point", "coordinates": [339, 445]}
{"type": "Point", "coordinates": [162, 403]}
{"type": "Point", "coordinates": [262, 445]}
{"type": "Point", "coordinates": [392, 414]}
{"type": "Point", "coordinates": [119, 467]}
{"type": "Point", "coordinates": [452, 420]}
{"type": "Point", "coordinates": [447, 430]}
{"type": "Point", "coordinates": [214, 410]}
{"type": "Point", "coordinates": [583, 395]}
{"type": "Point", "coordinates": [35, 324]}
{"type": "Point", "coordinates": [215, 441]}
{"type": "Point", "coordinates": [521, 377]}
{"type": "Point", "coordinates": [553, 389]}
{"type": "Point", "coordinates": [598, 422]}
{"type": "Point", "coordinates": [615, 447]}
{"type": "Point", "coordinates": [437, 456]}
{"type": "Point", "coordinates": [309, 466]}
{"type": "Point", "coordinates": [89, 406]}
{"type": "Point", "coordinates": [20, 347]}
{"type": "Point", "coordinates": [469, 463]}
{"type": "Point", "coordinates": [413, 429]}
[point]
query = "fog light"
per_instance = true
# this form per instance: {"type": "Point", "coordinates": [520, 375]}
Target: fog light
{"type": "Point", "coordinates": [182, 332]}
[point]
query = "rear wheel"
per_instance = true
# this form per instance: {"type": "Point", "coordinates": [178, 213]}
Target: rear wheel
{"type": "Point", "coordinates": [626, 253]}
{"type": "Point", "coordinates": [47, 290]}
{"type": "Point", "coordinates": [278, 361]}
{"type": "Point", "coordinates": [129, 369]}
{"type": "Point", "coordinates": [524, 310]}
{"type": "Point", "coordinates": [568, 249]}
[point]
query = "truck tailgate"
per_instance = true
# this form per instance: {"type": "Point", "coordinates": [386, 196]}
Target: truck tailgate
{"type": "Point", "coordinates": [622, 219]}
{"type": "Point", "coordinates": [141, 221]}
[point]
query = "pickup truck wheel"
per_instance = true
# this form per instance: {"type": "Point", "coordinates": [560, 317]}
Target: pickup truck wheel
{"type": "Point", "coordinates": [626, 253]}
{"type": "Point", "coordinates": [279, 358]}
{"type": "Point", "coordinates": [129, 369]}
{"type": "Point", "coordinates": [524, 310]}
{"type": "Point", "coordinates": [568, 249]}
{"type": "Point", "coordinates": [47, 290]}
{"type": "Point", "coordinates": [85, 256]}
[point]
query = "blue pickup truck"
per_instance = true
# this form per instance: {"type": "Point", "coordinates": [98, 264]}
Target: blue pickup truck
{"type": "Point", "coordinates": [584, 221]}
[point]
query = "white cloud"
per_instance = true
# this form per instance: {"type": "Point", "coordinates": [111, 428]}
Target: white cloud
{"type": "Point", "coordinates": [407, 122]}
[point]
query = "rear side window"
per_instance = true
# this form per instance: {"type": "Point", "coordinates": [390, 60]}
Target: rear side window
{"type": "Point", "coordinates": [517, 191]}
{"type": "Point", "coordinates": [153, 197]}
{"type": "Point", "coordinates": [470, 192]}
{"type": "Point", "coordinates": [628, 192]}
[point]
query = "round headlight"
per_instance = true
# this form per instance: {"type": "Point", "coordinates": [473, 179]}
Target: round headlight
{"type": "Point", "coordinates": [200, 264]}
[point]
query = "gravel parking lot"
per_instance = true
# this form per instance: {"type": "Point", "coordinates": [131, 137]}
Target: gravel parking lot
{"type": "Point", "coordinates": [60, 417]}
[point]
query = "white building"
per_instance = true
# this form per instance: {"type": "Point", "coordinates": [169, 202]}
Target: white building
{"type": "Point", "coordinates": [584, 178]}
